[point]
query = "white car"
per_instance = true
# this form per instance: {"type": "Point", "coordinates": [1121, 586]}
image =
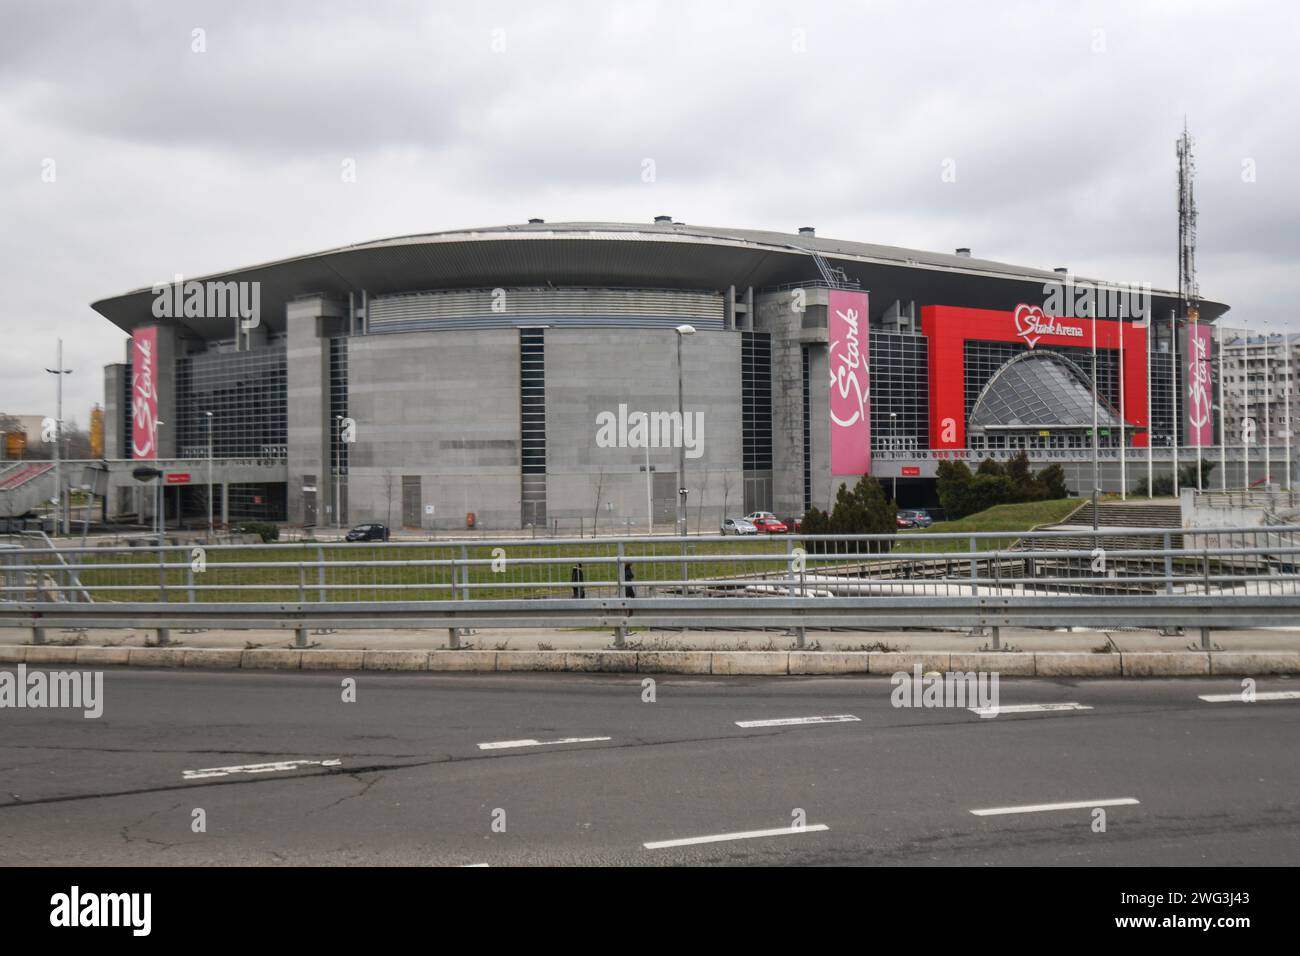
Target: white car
{"type": "Point", "coordinates": [738, 526]}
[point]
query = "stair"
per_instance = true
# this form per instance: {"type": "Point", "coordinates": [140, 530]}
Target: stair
{"type": "Point", "coordinates": [20, 474]}
{"type": "Point", "coordinates": [1130, 514]}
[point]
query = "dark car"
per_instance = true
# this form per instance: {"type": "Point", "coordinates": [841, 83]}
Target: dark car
{"type": "Point", "coordinates": [367, 532]}
{"type": "Point", "coordinates": [920, 518]}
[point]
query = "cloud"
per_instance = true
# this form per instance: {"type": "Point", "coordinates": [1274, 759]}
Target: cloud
{"type": "Point", "coordinates": [1059, 122]}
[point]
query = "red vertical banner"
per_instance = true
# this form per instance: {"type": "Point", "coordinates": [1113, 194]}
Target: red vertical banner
{"type": "Point", "coordinates": [850, 383]}
{"type": "Point", "coordinates": [1199, 417]}
{"type": "Point", "coordinates": [144, 393]}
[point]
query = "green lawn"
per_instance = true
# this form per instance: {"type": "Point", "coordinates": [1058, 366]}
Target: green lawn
{"type": "Point", "coordinates": [383, 573]}
{"type": "Point", "coordinates": [373, 572]}
{"type": "Point", "coordinates": [1009, 518]}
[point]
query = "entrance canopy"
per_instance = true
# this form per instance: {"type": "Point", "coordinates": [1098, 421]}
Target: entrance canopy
{"type": "Point", "coordinates": [1040, 390]}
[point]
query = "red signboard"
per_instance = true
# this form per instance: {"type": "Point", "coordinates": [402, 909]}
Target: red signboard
{"type": "Point", "coordinates": [850, 383]}
{"type": "Point", "coordinates": [911, 471]}
{"type": "Point", "coordinates": [144, 393]}
{"type": "Point", "coordinates": [178, 478]}
{"type": "Point", "coordinates": [1198, 425]}
{"type": "Point", "coordinates": [949, 328]}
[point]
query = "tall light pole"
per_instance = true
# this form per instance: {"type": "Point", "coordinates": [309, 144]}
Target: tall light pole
{"type": "Point", "coordinates": [1286, 359]}
{"type": "Point", "coordinates": [1268, 402]}
{"type": "Point", "coordinates": [209, 417]}
{"type": "Point", "coordinates": [1096, 454]}
{"type": "Point", "coordinates": [159, 499]}
{"type": "Point", "coordinates": [1173, 389]}
{"type": "Point", "coordinates": [682, 332]}
{"type": "Point", "coordinates": [1123, 420]}
{"type": "Point", "coordinates": [893, 447]}
{"type": "Point", "coordinates": [338, 448]}
{"type": "Point", "coordinates": [1245, 408]}
{"type": "Point", "coordinates": [59, 371]}
{"type": "Point", "coordinates": [1151, 410]}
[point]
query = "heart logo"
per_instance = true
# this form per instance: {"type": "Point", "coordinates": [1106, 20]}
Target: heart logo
{"type": "Point", "coordinates": [1030, 321]}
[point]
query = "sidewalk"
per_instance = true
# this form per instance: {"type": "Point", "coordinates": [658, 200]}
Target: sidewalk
{"type": "Point", "coordinates": [1012, 639]}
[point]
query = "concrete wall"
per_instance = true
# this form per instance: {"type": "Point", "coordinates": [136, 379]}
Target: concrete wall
{"type": "Point", "coordinates": [791, 331]}
{"type": "Point", "coordinates": [308, 324]}
{"type": "Point", "coordinates": [114, 413]}
{"type": "Point", "coordinates": [590, 371]}
{"type": "Point", "coordinates": [443, 406]}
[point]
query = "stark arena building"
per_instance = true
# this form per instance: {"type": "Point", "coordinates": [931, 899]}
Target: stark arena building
{"type": "Point", "coordinates": [504, 373]}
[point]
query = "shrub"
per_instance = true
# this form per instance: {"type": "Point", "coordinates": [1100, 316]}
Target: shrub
{"type": "Point", "coordinates": [862, 510]}
{"type": "Point", "coordinates": [264, 529]}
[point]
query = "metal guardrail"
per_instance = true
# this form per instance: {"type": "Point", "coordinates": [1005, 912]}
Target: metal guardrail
{"type": "Point", "coordinates": [1133, 455]}
{"type": "Point", "coordinates": [1170, 578]}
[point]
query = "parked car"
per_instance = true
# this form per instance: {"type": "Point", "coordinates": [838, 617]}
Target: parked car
{"type": "Point", "coordinates": [367, 532]}
{"type": "Point", "coordinates": [767, 522]}
{"type": "Point", "coordinates": [738, 526]}
{"type": "Point", "coordinates": [904, 521]}
{"type": "Point", "coordinates": [919, 517]}
{"type": "Point", "coordinates": [795, 524]}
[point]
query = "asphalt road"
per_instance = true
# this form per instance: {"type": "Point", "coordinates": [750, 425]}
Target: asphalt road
{"type": "Point", "coordinates": [1216, 783]}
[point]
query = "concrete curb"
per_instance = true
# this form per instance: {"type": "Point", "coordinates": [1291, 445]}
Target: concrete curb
{"type": "Point", "coordinates": [735, 663]}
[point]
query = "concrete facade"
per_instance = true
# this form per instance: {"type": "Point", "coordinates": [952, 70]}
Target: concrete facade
{"type": "Point", "coordinates": [594, 371]}
{"type": "Point", "coordinates": [440, 407]}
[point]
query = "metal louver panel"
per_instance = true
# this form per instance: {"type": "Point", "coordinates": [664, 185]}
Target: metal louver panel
{"type": "Point", "coordinates": [508, 308]}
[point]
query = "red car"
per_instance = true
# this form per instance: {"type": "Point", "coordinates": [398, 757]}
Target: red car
{"type": "Point", "coordinates": [767, 522]}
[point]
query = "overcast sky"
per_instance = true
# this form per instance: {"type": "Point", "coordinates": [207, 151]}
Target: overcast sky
{"type": "Point", "coordinates": [1058, 119]}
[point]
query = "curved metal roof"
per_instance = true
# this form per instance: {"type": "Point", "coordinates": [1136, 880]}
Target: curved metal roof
{"type": "Point", "coordinates": [646, 255]}
{"type": "Point", "coordinates": [1040, 390]}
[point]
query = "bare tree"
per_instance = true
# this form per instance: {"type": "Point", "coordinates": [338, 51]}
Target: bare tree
{"type": "Point", "coordinates": [726, 491]}
{"type": "Point", "coordinates": [389, 478]}
{"type": "Point", "coordinates": [699, 509]}
{"type": "Point", "coordinates": [600, 487]}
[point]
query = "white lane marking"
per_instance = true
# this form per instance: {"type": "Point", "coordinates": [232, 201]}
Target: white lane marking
{"type": "Point", "coordinates": [1259, 695]}
{"type": "Point", "coordinates": [790, 721]}
{"type": "Point", "coordinates": [504, 744]}
{"type": "Point", "coordinates": [1026, 708]}
{"type": "Point", "coordinates": [1072, 805]}
{"type": "Point", "coordinates": [465, 866]}
{"type": "Point", "coordinates": [257, 768]}
{"type": "Point", "coordinates": [745, 835]}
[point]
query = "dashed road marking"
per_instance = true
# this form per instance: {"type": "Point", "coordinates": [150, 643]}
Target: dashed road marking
{"type": "Point", "coordinates": [278, 765]}
{"type": "Point", "coordinates": [506, 744]}
{"type": "Point", "coordinates": [1042, 807]}
{"type": "Point", "coordinates": [1259, 695]}
{"type": "Point", "coordinates": [791, 721]}
{"type": "Point", "coordinates": [1026, 709]}
{"type": "Point", "coordinates": [744, 835]}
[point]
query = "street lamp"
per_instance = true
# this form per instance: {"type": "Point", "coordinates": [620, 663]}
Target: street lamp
{"type": "Point", "coordinates": [682, 331]}
{"type": "Point", "coordinates": [159, 499]}
{"type": "Point", "coordinates": [338, 449]}
{"type": "Point", "coordinates": [209, 417]}
{"type": "Point", "coordinates": [60, 371]}
{"type": "Point", "coordinates": [893, 447]}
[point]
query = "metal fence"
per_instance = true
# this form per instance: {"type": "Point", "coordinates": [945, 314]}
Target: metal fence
{"type": "Point", "coordinates": [1113, 577]}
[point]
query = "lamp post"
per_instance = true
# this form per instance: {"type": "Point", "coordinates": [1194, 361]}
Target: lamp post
{"type": "Point", "coordinates": [59, 371]}
{"type": "Point", "coordinates": [893, 447]}
{"type": "Point", "coordinates": [209, 417]}
{"type": "Point", "coordinates": [1096, 454]}
{"type": "Point", "coordinates": [159, 500]}
{"type": "Point", "coordinates": [682, 331]}
{"type": "Point", "coordinates": [338, 443]}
